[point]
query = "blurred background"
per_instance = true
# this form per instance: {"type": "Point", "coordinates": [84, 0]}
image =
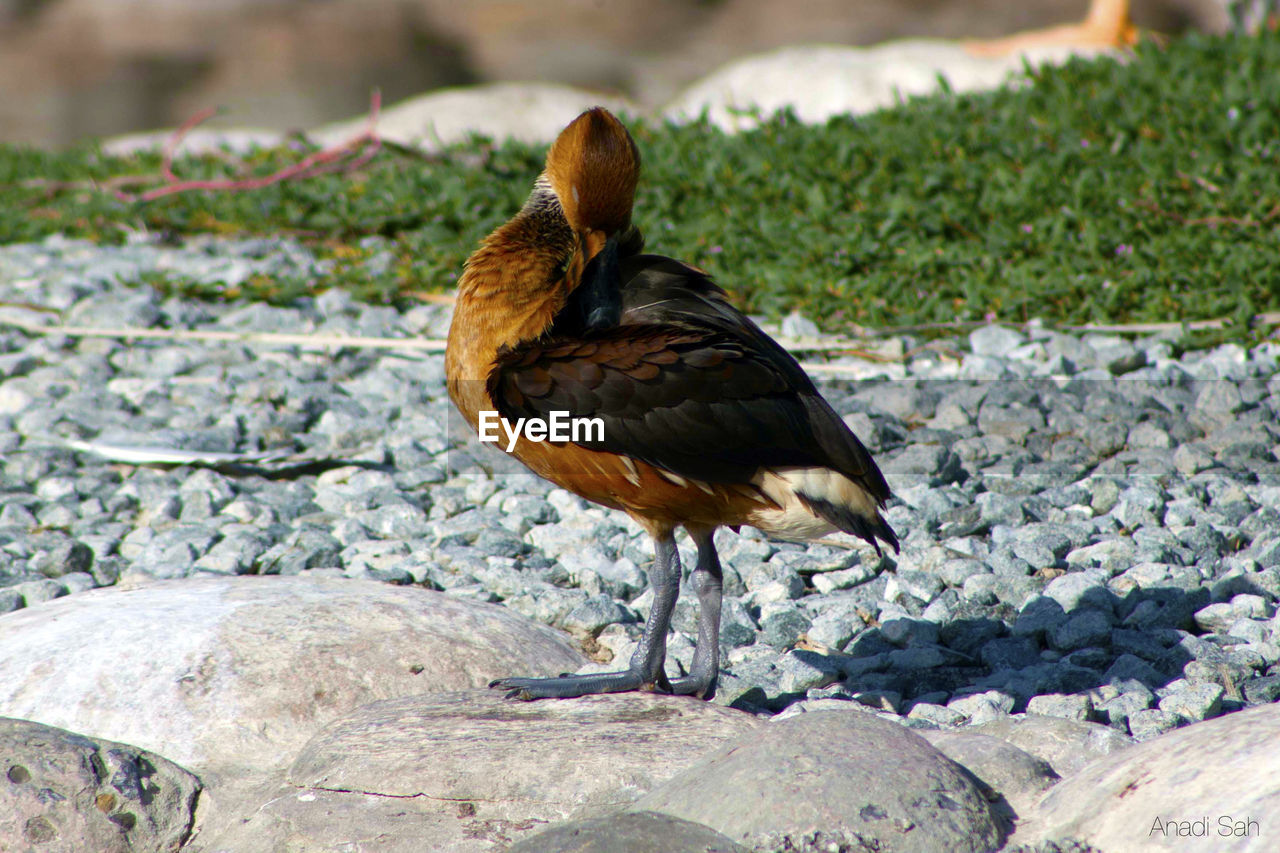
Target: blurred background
{"type": "Point", "coordinates": [71, 69]}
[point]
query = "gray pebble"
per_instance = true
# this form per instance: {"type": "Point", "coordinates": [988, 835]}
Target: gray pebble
{"type": "Point", "coordinates": [781, 624]}
{"type": "Point", "coordinates": [1195, 702]}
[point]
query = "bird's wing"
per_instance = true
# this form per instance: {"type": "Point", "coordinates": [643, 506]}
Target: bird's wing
{"type": "Point", "coordinates": [701, 403]}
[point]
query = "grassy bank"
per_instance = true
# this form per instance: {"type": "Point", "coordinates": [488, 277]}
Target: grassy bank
{"type": "Point", "coordinates": [1102, 192]}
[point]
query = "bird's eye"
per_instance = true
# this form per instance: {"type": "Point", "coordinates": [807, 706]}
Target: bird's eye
{"type": "Point", "coordinates": [562, 268]}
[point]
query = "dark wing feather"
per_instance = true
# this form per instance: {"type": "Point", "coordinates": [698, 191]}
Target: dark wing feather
{"type": "Point", "coordinates": [664, 291]}
{"type": "Point", "coordinates": [684, 381]}
{"type": "Point", "coordinates": [699, 404]}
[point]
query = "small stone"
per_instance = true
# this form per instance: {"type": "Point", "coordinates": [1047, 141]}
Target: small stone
{"type": "Point", "coordinates": [796, 325]}
{"type": "Point", "coordinates": [831, 630]}
{"type": "Point", "coordinates": [1084, 629]}
{"type": "Point", "coordinates": [981, 589]}
{"type": "Point", "coordinates": [909, 632]}
{"type": "Point", "coordinates": [1128, 667]}
{"type": "Point", "coordinates": [1081, 589]}
{"type": "Point", "coordinates": [982, 708]}
{"type": "Point", "coordinates": [1072, 707]}
{"type": "Point", "coordinates": [1147, 434]}
{"type": "Point", "coordinates": [306, 548]}
{"type": "Point", "coordinates": [923, 463]}
{"type": "Point", "coordinates": [1119, 710]}
{"type": "Point", "coordinates": [954, 573]}
{"type": "Point", "coordinates": [918, 658]}
{"type": "Point", "coordinates": [62, 557]}
{"type": "Point", "coordinates": [1216, 618]}
{"type": "Point", "coordinates": [801, 671]}
{"type": "Point", "coordinates": [235, 554]}
{"type": "Point", "coordinates": [782, 624]}
{"type": "Point", "coordinates": [11, 600]}
{"type": "Point", "coordinates": [773, 592]}
{"type": "Point", "coordinates": [77, 582]}
{"type": "Point", "coordinates": [828, 582]}
{"type": "Point", "coordinates": [1117, 553]}
{"type": "Point", "coordinates": [1191, 459]}
{"type": "Point", "coordinates": [594, 614]}
{"type": "Point", "coordinates": [935, 714]}
{"type": "Point", "coordinates": [1144, 725]}
{"type": "Point", "coordinates": [1258, 692]}
{"type": "Point", "coordinates": [35, 592]}
{"type": "Point", "coordinates": [1010, 653]}
{"type": "Point", "coordinates": [1038, 617]}
{"type": "Point", "coordinates": [1193, 703]}
{"type": "Point", "coordinates": [1253, 631]}
{"type": "Point", "coordinates": [994, 340]}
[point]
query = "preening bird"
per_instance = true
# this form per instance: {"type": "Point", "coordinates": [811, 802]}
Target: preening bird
{"type": "Point", "coordinates": [708, 421]}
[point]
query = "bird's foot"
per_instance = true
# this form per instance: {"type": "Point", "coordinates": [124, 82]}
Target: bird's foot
{"type": "Point", "coordinates": [568, 686]}
{"type": "Point", "coordinates": [703, 687]}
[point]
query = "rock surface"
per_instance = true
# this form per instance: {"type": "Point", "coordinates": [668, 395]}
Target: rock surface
{"type": "Point", "coordinates": [833, 777]}
{"type": "Point", "coordinates": [822, 81]}
{"type": "Point", "coordinates": [66, 793]}
{"type": "Point", "coordinates": [1015, 777]}
{"type": "Point", "coordinates": [481, 746]}
{"type": "Point", "coordinates": [629, 832]}
{"type": "Point", "coordinates": [1222, 772]}
{"type": "Point", "coordinates": [532, 112]}
{"type": "Point", "coordinates": [1065, 745]}
{"type": "Point", "coordinates": [471, 770]}
{"type": "Point", "coordinates": [235, 674]}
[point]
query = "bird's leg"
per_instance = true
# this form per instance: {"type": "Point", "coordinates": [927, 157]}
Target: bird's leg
{"type": "Point", "coordinates": [707, 581]}
{"type": "Point", "coordinates": [645, 671]}
{"type": "Point", "coordinates": [651, 655]}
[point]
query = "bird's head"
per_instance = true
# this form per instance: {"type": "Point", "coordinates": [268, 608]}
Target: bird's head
{"type": "Point", "coordinates": [592, 168]}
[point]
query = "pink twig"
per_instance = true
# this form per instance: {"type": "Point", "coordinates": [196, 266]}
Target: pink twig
{"type": "Point", "coordinates": [171, 147]}
{"type": "Point", "coordinates": [350, 155]}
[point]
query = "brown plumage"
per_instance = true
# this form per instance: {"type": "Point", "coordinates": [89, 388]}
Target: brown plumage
{"type": "Point", "coordinates": [707, 421]}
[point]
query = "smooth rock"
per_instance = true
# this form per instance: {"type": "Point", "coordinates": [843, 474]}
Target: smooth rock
{"type": "Point", "coordinates": [1065, 745]}
{"type": "Point", "coordinates": [66, 793]}
{"type": "Point", "coordinates": [1012, 774]}
{"type": "Point", "coordinates": [230, 674]}
{"type": "Point", "coordinates": [1224, 767]}
{"type": "Point", "coordinates": [629, 832]}
{"type": "Point", "coordinates": [857, 779]}
{"type": "Point", "coordinates": [529, 112]}
{"type": "Point", "coordinates": [469, 772]}
{"type": "Point", "coordinates": [822, 81]}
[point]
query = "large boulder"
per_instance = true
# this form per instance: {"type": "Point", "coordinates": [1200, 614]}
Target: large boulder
{"type": "Point", "coordinates": [529, 112]}
{"type": "Point", "coordinates": [833, 778]}
{"type": "Point", "coordinates": [1213, 786]}
{"type": "Point", "coordinates": [231, 675]}
{"type": "Point", "coordinates": [470, 771]}
{"type": "Point", "coordinates": [1016, 779]}
{"type": "Point", "coordinates": [822, 81]}
{"type": "Point", "coordinates": [1065, 745]}
{"type": "Point", "coordinates": [67, 793]}
{"type": "Point", "coordinates": [629, 832]}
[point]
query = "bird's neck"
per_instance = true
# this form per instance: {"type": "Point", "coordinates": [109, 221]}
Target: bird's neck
{"type": "Point", "coordinates": [510, 292]}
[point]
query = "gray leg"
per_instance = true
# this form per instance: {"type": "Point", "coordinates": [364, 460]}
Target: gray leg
{"type": "Point", "coordinates": [645, 671]}
{"type": "Point", "coordinates": [707, 580]}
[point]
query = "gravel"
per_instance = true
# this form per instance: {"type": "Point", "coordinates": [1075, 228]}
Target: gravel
{"type": "Point", "coordinates": [1090, 526]}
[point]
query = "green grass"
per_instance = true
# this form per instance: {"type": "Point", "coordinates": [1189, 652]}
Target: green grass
{"type": "Point", "coordinates": [1102, 192]}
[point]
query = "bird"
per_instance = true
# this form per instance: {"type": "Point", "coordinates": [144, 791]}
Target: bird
{"type": "Point", "coordinates": [1107, 25]}
{"type": "Point", "coordinates": [707, 421]}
